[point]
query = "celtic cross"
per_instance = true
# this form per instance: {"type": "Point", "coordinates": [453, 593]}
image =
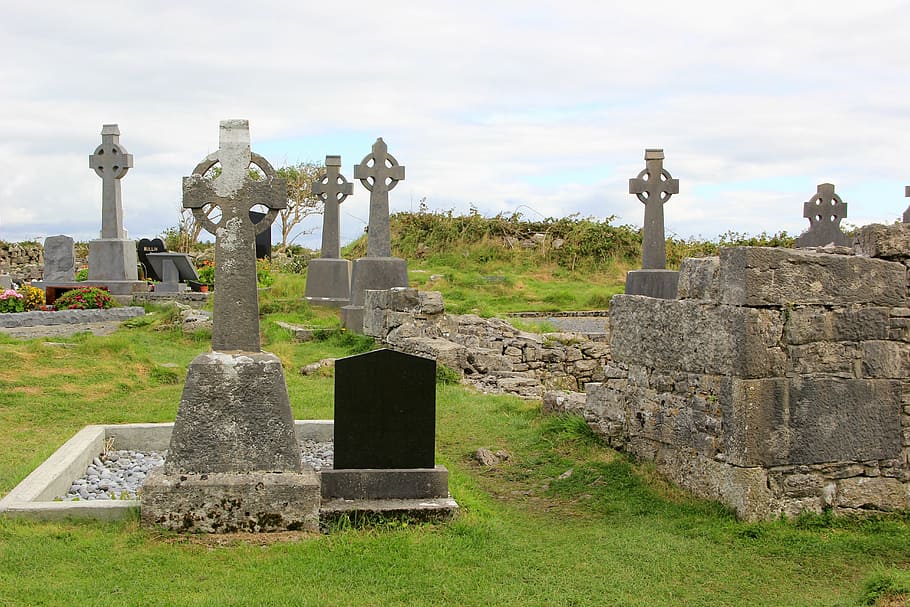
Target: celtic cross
{"type": "Point", "coordinates": [332, 188]}
{"type": "Point", "coordinates": [379, 172]}
{"type": "Point", "coordinates": [236, 310]}
{"type": "Point", "coordinates": [111, 162]}
{"type": "Point", "coordinates": [654, 186]}
{"type": "Point", "coordinates": [824, 211]}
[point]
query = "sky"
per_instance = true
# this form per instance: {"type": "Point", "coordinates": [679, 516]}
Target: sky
{"type": "Point", "coordinates": [537, 107]}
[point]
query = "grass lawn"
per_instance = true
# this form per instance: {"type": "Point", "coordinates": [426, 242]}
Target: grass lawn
{"type": "Point", "coordinates": [565, 521]}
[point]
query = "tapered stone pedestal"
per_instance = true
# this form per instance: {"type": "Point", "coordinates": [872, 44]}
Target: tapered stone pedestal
{"type": "Point", "coordinates": [661, 284]}
{"type": "Point", "coordinates": [113, 263]}
{"type": "Point", "coordinates": [371, 274]}
{"type": "Point", "coordinates": [328, 282]}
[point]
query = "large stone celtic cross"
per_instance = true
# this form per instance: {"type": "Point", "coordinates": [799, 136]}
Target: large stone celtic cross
{"type": "Point", "coordinates": [111, 162]}
{"type": "Point", "coordinates": [236, 312]}
{"type": "Point", "coordinates": [379, 173]}
{"type": "Point", "coordinates": [333, 189]}
{"type": "Point", "coordinates": [824, 211]}
{"type": "Point", "coordinates": [654, 186]}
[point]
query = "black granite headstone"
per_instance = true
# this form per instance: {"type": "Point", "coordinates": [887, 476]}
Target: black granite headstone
{"type": "Point", "coordinates": [143, 248]}
{"type": "Point", "coordinates": [263, 239]}
{"type": "Point", "coordinates": [385, 411]}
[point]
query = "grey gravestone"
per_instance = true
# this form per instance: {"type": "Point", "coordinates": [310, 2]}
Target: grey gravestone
{"type": "Point", "coordinates": [653, 186]}
{"type": "Point", "coordinates": [59, 260]}
{"type": "Point", "coordinates": [146, 246]}
{"type": "Point", "coordinates": [824, 211]}
{"type": "Point", "coordinates": [175, 269]}
{"type": "Point", "coordinates": [234, 461]}
{"type": "Point", "coordinates": [328, 280]}
{"type": "Point", "coordinates": [907, 212]}
{"type": "Point", "coordinates": [379, 173]}
{"type": "Point", "coordinates": [112, 259]}
{"type": "Point", "coordinates": [385, 429]}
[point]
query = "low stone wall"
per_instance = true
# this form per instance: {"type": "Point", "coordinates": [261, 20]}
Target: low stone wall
{"type": "Point", "coordinates": [778, 382]}
{"type": "Point", "coordinates": [489, 352]}
{"type": "Point", "coordinates": [22, 261]}
{"type": "Point", "coordinates": [68, 317]}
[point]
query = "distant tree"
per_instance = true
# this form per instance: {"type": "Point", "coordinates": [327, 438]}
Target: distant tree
{"type": "Point", "coordinates": [301, 201]}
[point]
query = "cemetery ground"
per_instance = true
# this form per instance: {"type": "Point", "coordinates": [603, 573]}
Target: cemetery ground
{"type": "Point", "coordinates": [563, 521]}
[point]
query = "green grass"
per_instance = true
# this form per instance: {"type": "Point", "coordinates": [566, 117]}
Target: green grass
{"type": "Point", "coordinates": [564, 521]}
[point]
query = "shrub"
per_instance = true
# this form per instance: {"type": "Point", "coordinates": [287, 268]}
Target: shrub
{"type": "Point", "coordinates": [34, 297]}
{"type": "Point", "coordinates": [85, 298]}
{"type": "Point", "coordinates": [82, 275]}
{"type": "Point", "coordinates": [206, 273]}
{"type": "Point", "coordinates": [12, 301]}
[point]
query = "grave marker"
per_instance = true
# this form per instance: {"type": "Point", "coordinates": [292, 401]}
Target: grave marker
{"type": "Point", "coordinates": [146, 246]}
{"type": "Point", "coordinates": [329, 277]}
{"type": "Point", "coordinates": [59, 260]}
{"type": "Point", "coordinates": [653, 186]}
{"type": "Point", "coordinates": [824, 211]}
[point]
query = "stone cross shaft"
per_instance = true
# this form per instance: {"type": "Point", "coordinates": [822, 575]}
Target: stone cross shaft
{"type": "Point", "coordinates": [379, 172]}
{"type": "Point", "coordinates": [234, 192]}
{"type": "Point", "coordinates": [333, 189]}
{"type": "Point", "coordinates": [907, 212]}
{"type": "Point", "coordinates": [111, 162]}
{"type": "Point", "coordinates": [654, 186]}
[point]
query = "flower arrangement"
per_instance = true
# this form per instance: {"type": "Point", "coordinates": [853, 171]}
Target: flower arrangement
{"type": "Point", "coordinates": [12, 301]}
{"type": "Point", "coordinates": [85, 298]}
{"type": "Point", "coordinates": [34, 297]}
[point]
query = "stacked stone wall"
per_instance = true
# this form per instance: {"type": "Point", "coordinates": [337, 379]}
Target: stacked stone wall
{"type": "Point", "coordinates": [778, 383]}
{"type": "Point", "coordinates": [489, 352]}
{"type": "Point", "coordinates": [22, 261]}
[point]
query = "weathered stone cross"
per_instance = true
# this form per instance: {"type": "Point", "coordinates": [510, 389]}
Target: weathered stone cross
{"type": "Point", "coordinates": [824, 211]}
{"type": "Point", "coordinates": [654, 186]}
{"type": "Point", "coordinates": [907, 212]}
{"type": "Point", "coordinates": [111, 162]}
{"type": "Point", "coordinates": [379, 172]}
{"type": "Point", "coordinates": [236, 311]}
{"type": "Point", "coordinates": [333, 189]}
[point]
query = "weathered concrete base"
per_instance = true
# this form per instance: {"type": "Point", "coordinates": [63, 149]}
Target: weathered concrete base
{"type": "Point", "coordinates": [328, 282]}
{"type": "Point", "coordinates": [230, 502]}
{"type": "Point", "coordinates": [371, 273]}
{"type": "Point", "coordinates": [439, 509]}
{"type": "Point", "coordinates": [113, 259]}
{"type": "Point", "coordinates": [372, 484]}
{"type": "Point", "coordinates": [652, 283]}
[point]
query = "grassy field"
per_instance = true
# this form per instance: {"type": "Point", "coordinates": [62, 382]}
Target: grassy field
{"type": "Point", "coordinates": [565, 521]}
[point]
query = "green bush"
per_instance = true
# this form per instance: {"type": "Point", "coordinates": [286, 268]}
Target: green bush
{"type": "Point", "coordinates": [85, 298]}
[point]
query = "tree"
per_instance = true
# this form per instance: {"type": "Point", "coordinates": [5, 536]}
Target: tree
{"type": "Point", "coordinates": [301, 201]}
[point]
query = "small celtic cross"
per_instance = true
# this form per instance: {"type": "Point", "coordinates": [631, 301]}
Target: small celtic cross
{"type": "Point", "coordinates": [654, 186]}
{"type": "Point", "coordinates": [332, 188]}
{"type": "Point", "coordinates": [824, 211]}
{"type": "Point", "coordinates": [111, 162]}
{"type": "Point", "coordinates": [379, 173]}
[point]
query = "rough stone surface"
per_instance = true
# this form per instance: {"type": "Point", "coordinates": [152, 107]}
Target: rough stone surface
{"type": "Point", "coordinates": [67, 317]}
{"type": "Point", "coordinates": [885, 241]}
{"type": "Point", "coordinates": [59, 259]}
{"type": "Point", "coordinates": [234, 416]}
{"type": "Point", "coordinates": [662, 284]}
{"type": "Point", "coordinates": [371, 273]}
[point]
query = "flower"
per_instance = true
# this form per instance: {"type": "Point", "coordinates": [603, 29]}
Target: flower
{"type": "Point", "coordinates": [10, 293]}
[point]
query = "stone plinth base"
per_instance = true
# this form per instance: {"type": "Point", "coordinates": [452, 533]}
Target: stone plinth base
{"type": "Point", "coordinates": [378, 484]}
{"type": "Point", "coordinates": [113, 259]}
{"type": "Point", "coordinates": [371, 273]}
{"type": "Point", "coordinates": [234, 416]}
{"type": "Point", "coordinates": [661, 284]}
{"type": "Point", "coordinates": [230, 502]}
{"type": "Point", "coordinates": [437, 509]}
{"type": "Point", "coordinates": [118, 287]}
{"type": "Point", "coordinates": [328, 282]}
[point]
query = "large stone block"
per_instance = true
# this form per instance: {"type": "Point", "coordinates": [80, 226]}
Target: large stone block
{"type": "Point", "coordinates": [877, 493]}
{"type": "Point", "coordinates": [652, 283]}
{"type": "Point", "coordinates": [764, 276]}
{"type": "Point", "coordinates": [699, 338]}
{"type": "Point", "coordinates": [698, 278]}
{"type": "Point", "coordinates": [885, 241]}
{"type": "Point", "coordinates": [806, 324]}
{"type": "Point", "coordinates": [782, 421]}
{"type": "Point", "coordinates": [328, 282]}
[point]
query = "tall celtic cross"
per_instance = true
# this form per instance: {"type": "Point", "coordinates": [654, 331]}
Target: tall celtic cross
{"type": "Point", "coordinates": [236, 312]}
{"type": "Point", "coordinates": [332, 188]}
{"type": "Point", "coordinates": [907, 212]}
{"type": "Point", "coordinates": [824, 211]}
{"type": "Point", "coordinates": [379, 172]}
{"type": "Point", "coordinates": [111, 162]}
{"type": "Point", "coordinates": [654, 186]}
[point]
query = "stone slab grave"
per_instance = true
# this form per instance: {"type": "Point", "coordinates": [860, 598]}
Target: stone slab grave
{"type": "Point", "coordinates": [824, 211]}
{"type": "Point", "coordinates": [653, 186]}
{"type": "Point", "coordinates": [379, 173]}
{"type": "Point", "coordinates": [112, 259]}
{"type": "Point", "coordinates": [233, 462]}
{"type": "Point", "coordinates": [175, 270]}
{"type": "Point", "coordinates": [385, 438]}
{"type": "Point", "coordinates": [328, 280]}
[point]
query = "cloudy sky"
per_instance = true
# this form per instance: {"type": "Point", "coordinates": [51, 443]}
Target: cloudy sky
{"type": "Point", "coordinates": [544, 108]}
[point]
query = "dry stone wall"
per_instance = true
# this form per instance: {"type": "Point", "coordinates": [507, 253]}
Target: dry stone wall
{"type": "Point", "coordinates": [22, 261]}
{"type": "Point", "coordinates": [489, 352]}
{"type": "Point", "coordinates": [778, 382]}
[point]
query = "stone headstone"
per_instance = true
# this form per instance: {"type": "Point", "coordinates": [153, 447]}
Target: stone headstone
{"type": "Point", "coordinates": [328, 279]}
{"type": "Point", "coordinates": [59, 259]}
{"type": "Point", "coordinates": [146, 246]}
{"type": "Point", "coordinates": [824, 211]}
{"type": "Point", "coordinates": [379, 173]}
{"type": "Point", "coordinates": [233, 461]}
{"type": "Point", "coordinates": [907, 212]}
{"type": "Point", "coordinates": [385, 429]}
{"type": "Point", "coordinates": [112, 259]}
{"type": "Point", "coordinates": [653, 186]}
{"type": "Point", "coordinates": [263, 238]}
